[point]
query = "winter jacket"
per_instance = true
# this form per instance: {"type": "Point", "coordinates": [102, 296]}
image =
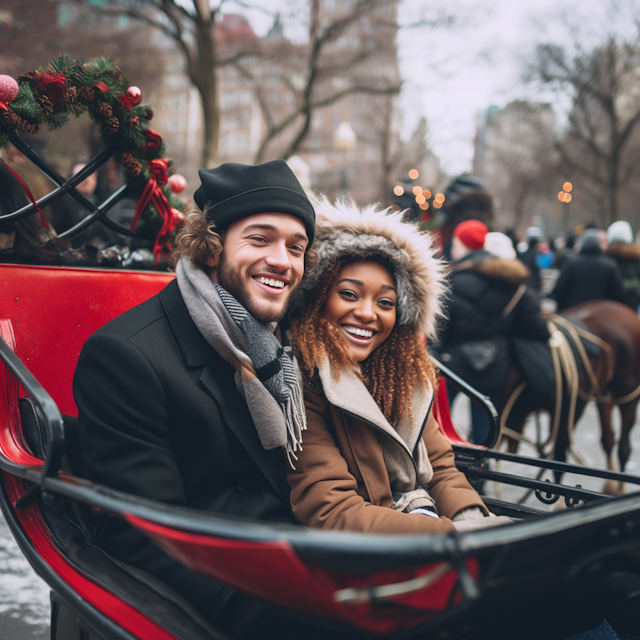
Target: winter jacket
{"type": "Point", "coordinates": [489, 302]}
{"type": "Point", "coordinates": [357, 472]}
{"type": "Point", "coordinates": [342, 481]}
{"type": "Point", "coordinates": [528, 257]}
{"type": "Point", "coordinates": [589, 276]}
{"type": "Point", "coordinates": [160, 417]}
{"type": "Point", "coordinates": [628, 258]}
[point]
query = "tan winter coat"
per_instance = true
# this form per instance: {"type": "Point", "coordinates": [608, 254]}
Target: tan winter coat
{"type": "Point", "coordinates": [342, 480]}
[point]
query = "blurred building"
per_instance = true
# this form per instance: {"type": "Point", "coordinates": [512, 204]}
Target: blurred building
{"type": "Point", "coordinates": [514, 154]}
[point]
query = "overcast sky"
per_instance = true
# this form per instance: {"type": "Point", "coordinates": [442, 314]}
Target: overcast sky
{"type": "Point", "coordinates": [453, 73]}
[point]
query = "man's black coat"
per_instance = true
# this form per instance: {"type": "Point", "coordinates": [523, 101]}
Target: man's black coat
{"type": "Point", "coordinates": [160, 417]}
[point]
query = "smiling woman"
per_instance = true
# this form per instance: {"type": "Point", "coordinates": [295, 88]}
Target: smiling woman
{"type": "Point", "coordinates": [373, 457]}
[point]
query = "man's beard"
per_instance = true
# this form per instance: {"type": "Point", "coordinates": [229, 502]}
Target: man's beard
{"type": "Point", "coordinates": [233, 282]}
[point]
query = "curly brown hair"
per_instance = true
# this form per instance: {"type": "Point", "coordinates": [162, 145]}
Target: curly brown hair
{"type": "Point", "coordinates": [198, 239]}
{"type": "Point", "coordinates": [391, 373]}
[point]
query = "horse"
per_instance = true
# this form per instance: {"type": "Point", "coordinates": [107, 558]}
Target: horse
{"type": "Point", "coordinates": [614, 379]}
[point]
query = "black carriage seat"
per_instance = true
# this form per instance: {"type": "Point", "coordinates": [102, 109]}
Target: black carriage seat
{"type": "Point", "coordinates": [69, 523]}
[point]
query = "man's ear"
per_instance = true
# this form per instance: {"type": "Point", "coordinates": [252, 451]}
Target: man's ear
{"type": "Point", "coordinates": [211, 267]}
{"type": "Point", "coordinates": [212, 261]}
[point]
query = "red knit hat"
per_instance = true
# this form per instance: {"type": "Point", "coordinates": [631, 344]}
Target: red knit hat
{"type": "Point", "coordinates": [471, 233]}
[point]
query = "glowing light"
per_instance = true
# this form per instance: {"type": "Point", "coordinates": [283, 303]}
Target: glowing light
{"type": "Point", "coordinates": [567, 186]}
{"type": "Point", "coordinates": [561, 196]}
{"type": "Point", "coordinates": [424, 206]}
{"type": "Point", "coordinates": [426, 193]}
{"type": "Point", "coordinates": [439, 198]}
{"type": "Point", "coordinates": [417, 191]}
{"type": "Point", "coordinates": [413, 174]}
{"type": "Point", "coordinates": [437, 204]}
{"type": "Point", "coordinates": [331, 163]}
{"type": "Point", "coordinates": [567, 198]}
{"type": "Point", "coordinates": [420, 199]}
{"type": "Point", "coordinates": [398, 190]}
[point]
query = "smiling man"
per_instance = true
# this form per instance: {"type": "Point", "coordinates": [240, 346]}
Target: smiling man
{"type": "Point", "coordinates": [193, 398]}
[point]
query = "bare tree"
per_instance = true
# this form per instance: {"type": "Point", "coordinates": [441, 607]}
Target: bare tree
{"type": "Point", "coordinates": [191, 26]}
{"type": "Point", "coordinates": [347, 52]}
{"type": "Point", "coordinates": [602, 81]}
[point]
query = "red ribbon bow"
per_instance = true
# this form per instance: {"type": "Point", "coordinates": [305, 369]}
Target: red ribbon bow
{"type": "Point", "coordinates": [153, 193]}
{"type": "Point", "coordinates": [154, 140]}
{"type": "Point", "coordinates": [4, 106]}
{"type": "Point", "coordinates": [128, 102]}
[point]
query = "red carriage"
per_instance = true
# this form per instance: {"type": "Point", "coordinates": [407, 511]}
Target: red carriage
{"type": "Point", "coordinates": [549, 575]}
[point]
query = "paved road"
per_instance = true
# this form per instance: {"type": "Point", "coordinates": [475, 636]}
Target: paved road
{"type": "Point", "coordinates": [24, 597]}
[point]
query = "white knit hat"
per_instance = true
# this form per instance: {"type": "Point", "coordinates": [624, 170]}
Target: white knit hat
{"type": "Point", "coordinates": [620, 232]}
{"type": "Point", "coordinates": [499, 245]}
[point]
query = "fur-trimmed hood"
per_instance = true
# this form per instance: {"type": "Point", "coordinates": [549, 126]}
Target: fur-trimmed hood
{"type": "Point", "coordinates": [624, 251]}
{"type": "Point", "coordinates": [344, 229]}
{"type": "Point", "coordinates": [509, 270]}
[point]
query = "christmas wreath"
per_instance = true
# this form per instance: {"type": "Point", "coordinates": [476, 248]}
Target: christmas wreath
{"type": "Point", "coordinates": [66, 87]}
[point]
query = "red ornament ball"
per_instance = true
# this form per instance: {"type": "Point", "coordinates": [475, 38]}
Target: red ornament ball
{"type": "Point", "coordinates": [135, 94]}
{"type": "Point", "coordinates": [8, 89]}
{"type": "Point", "coordinates": [177, 183]}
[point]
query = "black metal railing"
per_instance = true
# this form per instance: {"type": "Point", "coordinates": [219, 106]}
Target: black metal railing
{"type": "Point", "coordinates": [68, 187]}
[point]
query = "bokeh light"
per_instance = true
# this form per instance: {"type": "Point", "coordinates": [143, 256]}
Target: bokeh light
{"type": "Point", "coordinates": [413, 174]}
{"type": "Point", "coordinates": [424, 206]}
{"type": "Point", "coordinates": [561, 196]}
{"type": "Point", "coordinates": [437, 204]}
{"type": "Point", "coordinates": [439, 198]}
{"type": "Point", "coordinates": [567, 198]}
{"type": "Point", "coordinates": [417, 191]}
{"type": "Point", "coordinates": [420, 199]}
{"type": "Point", "coordinates": [567, 186]}
{"type": "Point", "coordinates": [426, 193]}
{"type": "Point", "coordinates": [398, 190]}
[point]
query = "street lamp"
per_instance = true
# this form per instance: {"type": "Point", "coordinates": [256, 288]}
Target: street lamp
{"type": "Point", "coordinates": [344, 140]}
{"type": "Point", "coordinates": [566, 197]}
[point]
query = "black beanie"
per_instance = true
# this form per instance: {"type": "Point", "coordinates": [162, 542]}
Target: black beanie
{"type": "Point", "coordinates": [235, 191]}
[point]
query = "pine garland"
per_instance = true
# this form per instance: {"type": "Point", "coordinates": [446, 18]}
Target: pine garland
{"type": "Point", "coordinates": [66, 87]}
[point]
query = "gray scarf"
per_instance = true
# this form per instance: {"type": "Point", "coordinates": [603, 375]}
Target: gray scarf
{"type": "Point", "coordinates": [267, 373]}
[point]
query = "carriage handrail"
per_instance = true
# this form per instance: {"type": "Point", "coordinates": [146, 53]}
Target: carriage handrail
{"type": "Point", "coordinates": [479, 399]}
{"type": "Point", "coordinates": [50, 412]}
{"type": "Point", "coordinates": [552, 465]}
{"type": "Point", "coordinates": [67, 187]}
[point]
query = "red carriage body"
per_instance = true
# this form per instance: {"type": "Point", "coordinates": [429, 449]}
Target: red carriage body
{"type": "Point", "coordinates": [381, 585]}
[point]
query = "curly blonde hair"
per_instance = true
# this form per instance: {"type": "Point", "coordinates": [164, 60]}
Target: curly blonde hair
{"type": "Point", "coordinates": [391, 373]}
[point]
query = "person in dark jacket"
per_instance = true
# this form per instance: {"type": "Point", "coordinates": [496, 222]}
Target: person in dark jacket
{"type": "Point", "coordinates": [161, 389]}
{"type": "Point", "coordinates": [529, 257]}
{"type": "Point", "coordinates": [627, 254]}
{"type": "Point", "coordinates": [589, 276]}
{"type": "Point", "coordinates": [489, 302]}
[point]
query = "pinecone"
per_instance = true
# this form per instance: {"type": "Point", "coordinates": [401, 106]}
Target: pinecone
{"type": "Point", "coordinates": [104, 110]}
{"type": "Point", "coordinates": [133, 167]}
{"type": "Point", "coordinates": [29, 128]}
{"type": "Point", "coordinates": [148, 114]}
{"type": "Point", "coordinates": [133, 121]}
{"type": "Point", "coordinates": [86, 95]}
{"type": "Point", "coordinates": [116, 74]}
{"type": "Point", "coordinates": [31, 75]}
{"type": "Point", "coordinates": [72, 94]}
{"type": "Point", "coordinates": [12, 120]}
{"type": "Point", "coordinates": [111, 125]}
{"type": "Point", "coordinates": [45, 103]}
